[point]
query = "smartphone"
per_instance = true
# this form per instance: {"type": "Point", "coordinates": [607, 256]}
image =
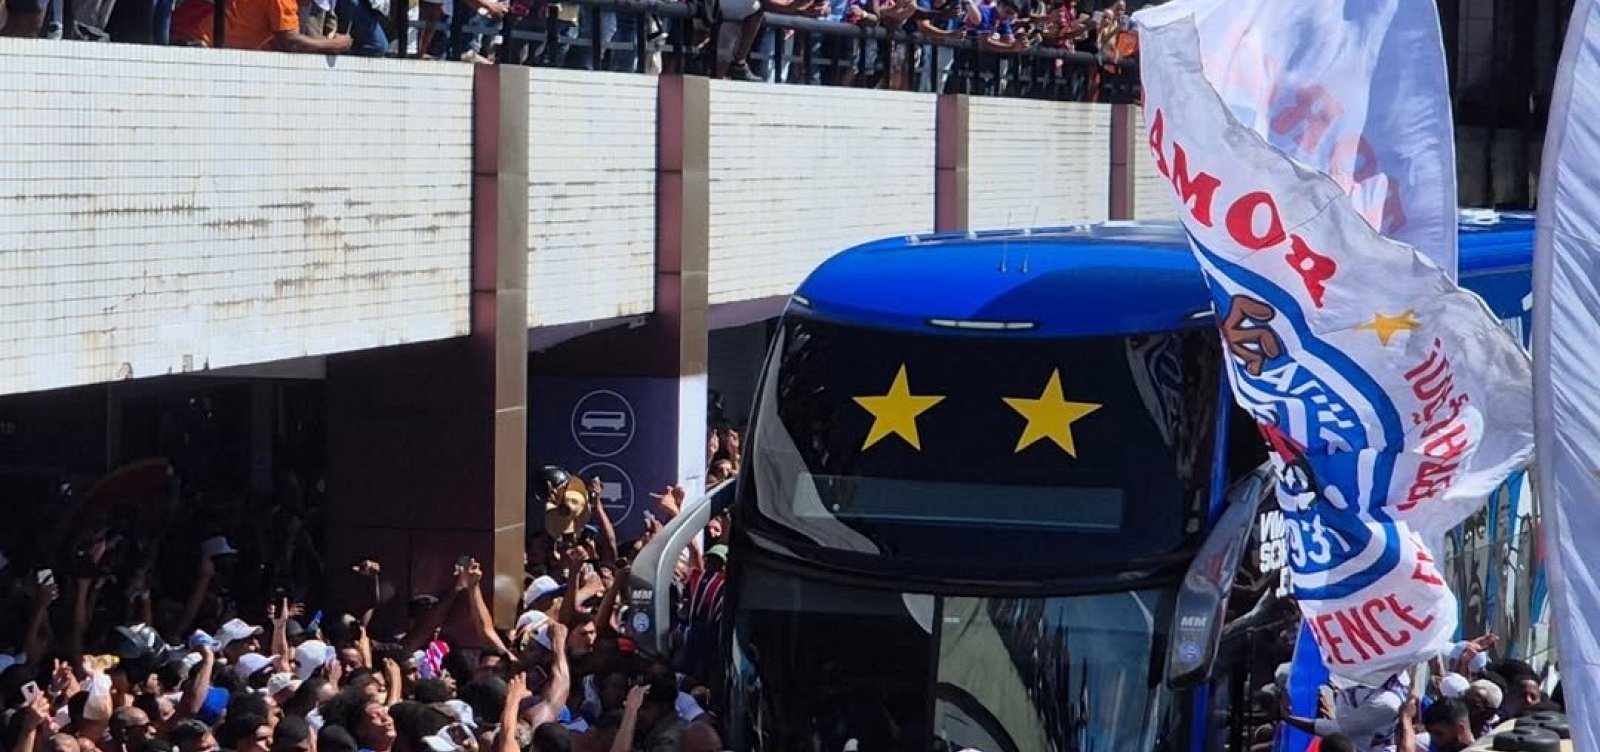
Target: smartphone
{"type": "Point", "coordinates": [46, 576]}
{"type": "Point", "coordinates": [462, 563]}
{"type": "Point", "coordinates": [30, 692]}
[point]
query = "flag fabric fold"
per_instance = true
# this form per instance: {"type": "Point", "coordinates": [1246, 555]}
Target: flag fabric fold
{"type": "Point", "coordinates": [1391, 401]}
{"type": "Point", "coordinates": [1355, 89]}
{"type": "Point", "coordinates": [1566, 349]}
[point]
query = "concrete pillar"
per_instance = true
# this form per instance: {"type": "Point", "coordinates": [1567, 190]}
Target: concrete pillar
{"type": "Point", "coordinates": [629, 404]}
{"type": "Point", "coordinates": [950, 163]}
{"type": "Point", "coordinates": [1124, 130]}
{"type": "Point", "coordinates": [427, 444]}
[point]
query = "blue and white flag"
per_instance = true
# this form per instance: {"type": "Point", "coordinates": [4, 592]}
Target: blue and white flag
{"type": "Point", "coordinates": [1355, 89]}
{"type": "Point", "coordinates": [1392, 402]}
{"type": "Point", "coordinates": [1566, 367]}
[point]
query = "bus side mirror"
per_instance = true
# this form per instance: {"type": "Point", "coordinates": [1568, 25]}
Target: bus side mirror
{"type": "Point", "coordinates": [1203, 596]}
{"type": "Point", "coordinates": [649, 589]}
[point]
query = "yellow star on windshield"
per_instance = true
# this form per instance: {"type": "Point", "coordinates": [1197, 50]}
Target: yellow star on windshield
{"type": "Point", "coordinates": [1388, 326]}
{"type": "Point", "coordinates": [896, 412]}
{"type": "Point", "coordinates": [1050, 416]}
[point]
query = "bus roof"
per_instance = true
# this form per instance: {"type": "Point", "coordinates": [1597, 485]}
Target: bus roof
{"type": "Point", "coordinates": [1101, 279]}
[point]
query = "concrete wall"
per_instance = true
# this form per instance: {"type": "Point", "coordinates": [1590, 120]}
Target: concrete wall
{"type": "Point", "coordinates": [1036, 164]}
{"type": "Point", "coordinates": [591, 195]}
{"type": "Point", "coordinates": [168, 210]}
{"type": "Point", "coordinates": [1152, 195]}
{"type": "Point", "coordinates": [799, 173]}
{"type": "Point", "coordinates": [172, 210]}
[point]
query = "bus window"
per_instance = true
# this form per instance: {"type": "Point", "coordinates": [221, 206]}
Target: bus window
{"type": "Point", "coordinates": [1050, 674]}
{"type": "Point", "coordinates": [970, 486]}
{"type": "Point", "coordinates": [840, 663]}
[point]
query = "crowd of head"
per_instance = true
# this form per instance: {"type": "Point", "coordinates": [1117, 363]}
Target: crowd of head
{"type": "Point", "coordinates": [1467, 700]}
{"type": "Point", "coordinates": [722, 34]}
{"type": "Point", "coordinates": [186, 625]}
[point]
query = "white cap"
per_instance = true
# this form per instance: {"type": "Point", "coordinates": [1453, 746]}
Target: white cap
{"type": "Point", "coordinates": [280, 683]}
{"type": "Point", "coordinates": [440, 743]}
{"type": "Point", "coordinates": [543, 586]}
{"type": "Point", "coordinates": [1454, 685]}
{"type": "Point", "coordinates": [251, 664]}
{"type": "Point", "coordinates": [534, 619]}
{"type": "Point", "coordinates": [234, 631]}
{"type": "Point", "coordinates": [312, 655]}
{"type": "Point", "coordinates": [463, 713]}
{"type": "Point", "coordinates": [1491, 691]}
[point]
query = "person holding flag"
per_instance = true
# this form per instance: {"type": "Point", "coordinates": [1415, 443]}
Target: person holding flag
{"type": "Point", "coordinates": [1319, 199]}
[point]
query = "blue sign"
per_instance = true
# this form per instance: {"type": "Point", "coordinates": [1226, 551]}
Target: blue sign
{"type": "Point", "coordinates": [623, 431]}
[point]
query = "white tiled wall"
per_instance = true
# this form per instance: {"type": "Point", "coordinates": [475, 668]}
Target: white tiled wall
{"type": "Point", "coordinates": [1152, 195]}
{"type": "Point", "coordinates": [165, 209]}
{"type": "Point", "coordinates": [592, 195]}
{"type": "Point", "coordinates": [1036, 164]}
{"type": "Point", "coordinates": [799, 173]}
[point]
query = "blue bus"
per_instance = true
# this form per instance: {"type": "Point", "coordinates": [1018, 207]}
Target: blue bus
{"type": "Point", "coordinates": [995, 495]}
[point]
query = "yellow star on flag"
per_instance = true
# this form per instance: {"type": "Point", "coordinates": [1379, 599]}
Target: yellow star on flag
{"type": "Point", "coordinates": [1388, 326]}
{"type": "Point", "coordinates": [896, 412]}
{"type": "Point", "coordinates": [1050, 416]}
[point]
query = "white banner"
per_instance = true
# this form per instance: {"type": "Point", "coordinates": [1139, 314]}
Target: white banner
{"type": "Point", "coordinates": [1392, 401]}
{"type": "Point", "coordinates": [1566, 350]}
{"type": "Point", "coordinates": [1356, 89]}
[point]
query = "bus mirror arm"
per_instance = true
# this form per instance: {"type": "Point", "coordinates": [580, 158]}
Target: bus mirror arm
{"type": "Point", "coordinates": [1203, 597]}
{"type": "Point", "coordinates": [649, 595]}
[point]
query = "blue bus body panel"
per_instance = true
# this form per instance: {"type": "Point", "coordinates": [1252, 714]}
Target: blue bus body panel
{"type": "Point", "coordinates": [1107, 279]}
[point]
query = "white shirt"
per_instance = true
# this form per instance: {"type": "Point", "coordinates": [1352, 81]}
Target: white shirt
{"type": "Point", "coordinates": [1368, 715]}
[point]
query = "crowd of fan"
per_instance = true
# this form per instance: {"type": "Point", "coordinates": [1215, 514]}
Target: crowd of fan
{"type": "Point", "coordinates": [1464, 704]}
{"type": "Point", "coordinates": [202, 634]}
{"type": "Point", "coordinates": [557, 34]}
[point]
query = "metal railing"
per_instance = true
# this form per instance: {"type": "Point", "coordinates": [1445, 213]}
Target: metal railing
{"type": "Point", "coordinates": [652, 36]}
{"type": "Point", "coordinates": [648, 36]}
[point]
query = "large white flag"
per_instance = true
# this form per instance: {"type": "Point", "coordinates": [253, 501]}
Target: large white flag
{"type": "Point", "coordinates": [1355, 89]}
{"type": "Point", "coordinates": [1566, 353]}
{"type": "Point", "coordinates": [1392, 401]}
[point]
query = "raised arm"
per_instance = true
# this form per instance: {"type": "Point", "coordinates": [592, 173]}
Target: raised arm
{"type": "Point", "coordinates": [34, 717]}
{"type": "Point", "coordinates": [1406, 739]}
{"type": "Point", "coordinates": [608, 603]}
{"type": "Point", "coordinates": [194, 697]}
{"type": "Point", "coordinates": [37, 641]}
{"type": "Point", "coordinates": [422, 634]}
{"type": "Point", "coordinates": [371, 570]}
{"type": "Point", "coordinates": [516, 692]}
{"type": "Point", "coordinates": [630, 719]}
{"type": "Point", "coordinates": [608, 533]}
{"type": "Point", "coordinates": [197, 597]}
{"type": "Point", "coordinates": [279, 614]}
{"type": "Point", "coordinates": [482, 616]}
{"type": "Point", "coordinates": [560, 684]}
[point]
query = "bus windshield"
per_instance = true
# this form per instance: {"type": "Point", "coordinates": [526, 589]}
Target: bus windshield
{"type": "Point", "coordinates": [817, 664]}
{"type": "Point", "coordinates": [951, 453]}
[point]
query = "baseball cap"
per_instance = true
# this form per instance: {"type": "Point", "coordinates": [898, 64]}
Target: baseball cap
{"type": "Point", "coordinates": [1454, 685]}
{"type": "Point", "coordinates": [251, 664]}
{"type": "Point", "coordinates": [720, 551]}
{"type": "Point", "coordinates": [234, 631]}
{"type": "Point", "coordinates": [280, 683]}
{"type": "Point", "coordinates": [463, 713]}
{"type": "Point", "coordinates": [538, 625]}
{"type": "Point", "coordinates": [312, 655]}
{"type": "Point", "coordinates": [543, 587]}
